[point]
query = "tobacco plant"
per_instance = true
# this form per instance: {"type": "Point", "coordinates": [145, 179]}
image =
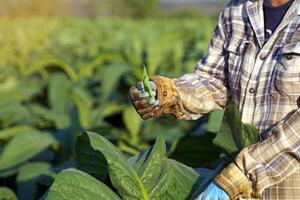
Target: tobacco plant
{"type": "Point", "coordinates": [150, 175]}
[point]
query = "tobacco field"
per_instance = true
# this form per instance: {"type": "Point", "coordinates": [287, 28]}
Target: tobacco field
{"type": "Point", "coordinates": [67, 128]}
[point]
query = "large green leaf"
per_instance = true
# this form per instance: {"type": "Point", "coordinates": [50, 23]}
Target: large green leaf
{"type": "Point", "coordinates": [7, 194]}
{"type": "Point", "coordinates": [234, 135]}
{"type": "Point", "coordinates": [89, 160]}
{"type": "Point", "coordinates": [74, 184]}
{"type": "Point", "coordinates": [24, 147]}
{"type": "Point", "coordinates": [154, 170]}
{"type": "Point", "coordinates": [122, 175]}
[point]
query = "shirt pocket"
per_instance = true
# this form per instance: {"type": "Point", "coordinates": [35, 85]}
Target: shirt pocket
{"type": "Point", "coordinates": [287, 72]}
{"type": "Point", "coordinates": [234, 52]}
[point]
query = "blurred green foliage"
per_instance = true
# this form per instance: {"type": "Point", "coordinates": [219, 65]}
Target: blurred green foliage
{"type": "Point", "coordinates": [134, 8]}
{"type": "Point", "coordinates": [62, 76]}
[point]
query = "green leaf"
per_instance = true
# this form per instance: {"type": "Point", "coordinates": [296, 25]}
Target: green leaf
{"type": "Point", "coordinates": [90, 160]}
{"type": "Point", "coordinates": [7, 194]}
{"type": "Point", "coordinates": [24, 147]}
{"type": "Point", "coordinates": [32, 170]}
{"type": "Point", "coordinates": [19, 89]}
{"type": "Point", "coordinates": [84, 105]}
{"type": "Point", "coordinates": [109, 77]}
{"type": "Point", "coordinates": [185, 179]}
{"type": "Point", "coordinates": [8, 173]}
{"type": "Point", "coordinates": [165, 178]}
{"type": "Point", "coordinates": [74, 184]}
{"type": "Point", "coordinates": [13, 112]}
{"type": "Point", "coordinates": [28, 178]}
{"type": "Point", "coordinates": [215, 121]}
{"type": "Point", "coordinates": [122, 175]}
{"type": "Point", "coordinates": [147, 176]}
{"type": "Point", "coordinates": [251, 135]}
{"type": "Point", "coordinates": [146, 83]}
{"type": "Point", "coordinates": [234, 135]}
{"type": "Point", "coordinates": [60, 120]}
{"type": "Point", "coordinates": [48, 61]}
{"type": "Point", "coordinates": [105, 110]}
{"type": "Point", "coordinates": [153, 169]}
{"type": "Point", "coordinates": [133, 123]}
{"type": "Point", "coordinates": [154, 128]}
{"type": "Point", "coordinates": [59, 92]}
{"type": "Point", "coordinates": [8, 133]}
{"type": "Point", "coordinates": [196, 151]}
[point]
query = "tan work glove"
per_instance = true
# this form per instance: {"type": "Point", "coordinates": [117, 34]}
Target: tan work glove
{"type": "Point", "coordinates": [167, 99]}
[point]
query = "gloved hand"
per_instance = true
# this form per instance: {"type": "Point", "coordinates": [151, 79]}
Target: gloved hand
{"type": "Point", "coordinates": [141, 99]}
{"type": "Point", "coordinates": [213, 192]}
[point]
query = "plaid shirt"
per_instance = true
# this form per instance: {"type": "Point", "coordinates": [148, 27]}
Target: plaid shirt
{"type": "Point", "coordinates": [263, 78]}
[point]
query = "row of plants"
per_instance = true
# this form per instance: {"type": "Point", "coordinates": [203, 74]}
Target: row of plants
{"type": "Point", "coordinates": [103, 172]}
{"type": "Point", "coordinates": [60, 77]}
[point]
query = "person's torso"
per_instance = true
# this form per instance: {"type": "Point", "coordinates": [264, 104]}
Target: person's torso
{"type": "Point", "coordinates": [264, 77]}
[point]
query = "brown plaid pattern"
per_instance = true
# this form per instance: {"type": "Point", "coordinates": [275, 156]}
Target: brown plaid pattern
{"type": "Point", "coordinates": [263, 78]}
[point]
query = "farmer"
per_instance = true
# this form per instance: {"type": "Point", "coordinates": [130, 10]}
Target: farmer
{"type": "Point", "coordinates": [254, 60]}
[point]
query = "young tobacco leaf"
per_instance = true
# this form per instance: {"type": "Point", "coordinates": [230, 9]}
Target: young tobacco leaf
{"type": "Point", "coordinates": [147, 84]}
{"type": "Point", "coordinates": [234, 135]}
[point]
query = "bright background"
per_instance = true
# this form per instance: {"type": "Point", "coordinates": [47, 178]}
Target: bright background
{"type": "Point", "coordinates": [66, 66]}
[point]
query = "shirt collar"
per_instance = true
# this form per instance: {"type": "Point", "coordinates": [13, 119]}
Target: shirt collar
{"type": "Point", "coordinates": [256, 16]}
{"type": "Point", "coordinates": [296, 5]}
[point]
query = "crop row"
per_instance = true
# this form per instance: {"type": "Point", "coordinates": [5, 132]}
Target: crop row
{"type": "Point", "coordinates": [63, 76]}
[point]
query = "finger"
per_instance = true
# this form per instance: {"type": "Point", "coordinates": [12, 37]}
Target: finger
{"type": "Point", "coordinates": [140, 86]}
{"type": "Point", "coordinates": [149, 109]}
{"type": "Point", "coordinates": [137, 95]}
{"type": "Point", "coordinates": [153, 85]}
{"type": "Point", "coordinates": [154, 112]}
{"type": "Point", "coordinates": [144, 103]}
{"type": "Point", "coordinates": [147, 116]}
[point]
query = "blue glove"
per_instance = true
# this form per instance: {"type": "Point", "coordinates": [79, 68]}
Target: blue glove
{"type": "Point", "coordinates": [213, 192]}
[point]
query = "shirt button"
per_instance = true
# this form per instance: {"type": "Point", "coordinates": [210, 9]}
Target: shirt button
{"type": "Point", "coordinates": [218, 76]}
{"type": "Point", "coordinates": [251, 90]}
{"type": "Point", "coordinates": [263, 56]}
{"type": "Point", "coordinates": [289, 56]}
